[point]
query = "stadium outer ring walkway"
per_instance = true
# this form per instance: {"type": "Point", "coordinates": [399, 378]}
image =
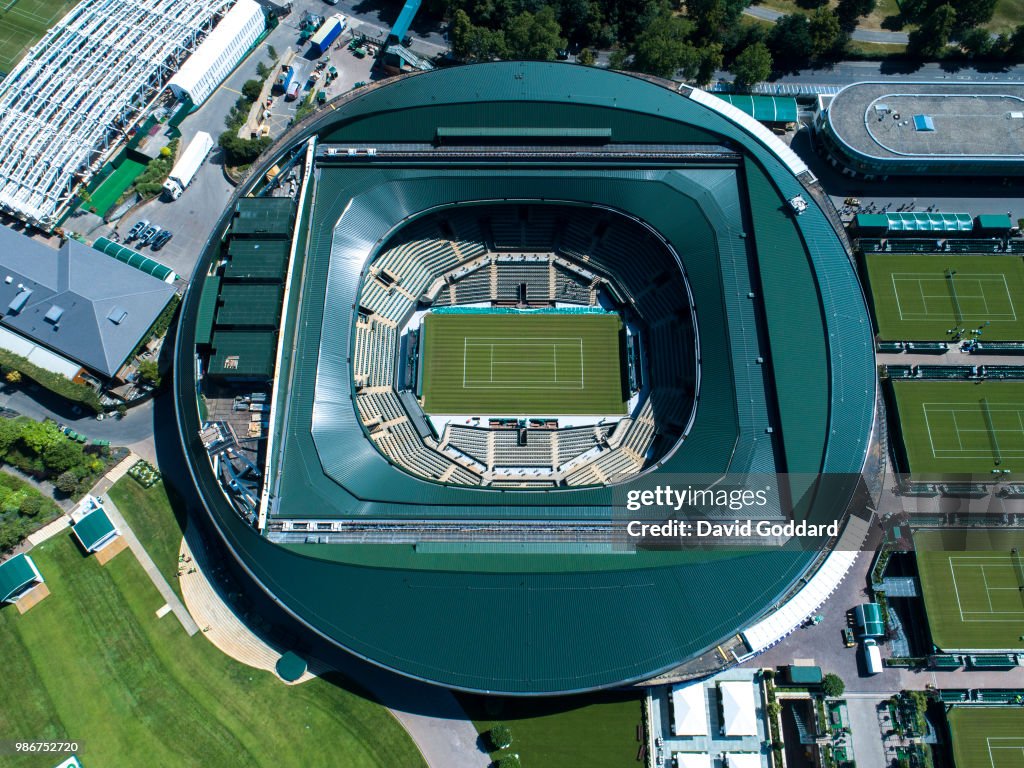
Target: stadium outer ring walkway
{"type": "Point", "coordinates": [537, 632]}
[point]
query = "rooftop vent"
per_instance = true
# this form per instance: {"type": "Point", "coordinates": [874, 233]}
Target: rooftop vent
{"type": "Point", "coordinates": [117, 315]}
{"type": "Point", "coordinates": [924, 123]}
{"type": "Point", "coordinates": [1017, 115]}
{"type": "Point", "coordinates": [18, 302]}
{"type": "Point", "coordinates": [54, 314]}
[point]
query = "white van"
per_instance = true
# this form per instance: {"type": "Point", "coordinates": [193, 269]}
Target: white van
{"type": "Point", "coordinates": [872, 657]}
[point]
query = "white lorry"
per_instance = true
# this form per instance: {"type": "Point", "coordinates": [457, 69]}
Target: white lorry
{"type": "Point", "coordinates": [872, 657]}
{"type": "Point", "coordinates": [188, 163]}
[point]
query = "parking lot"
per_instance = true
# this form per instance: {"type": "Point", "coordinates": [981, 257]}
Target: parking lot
{"type": "Point", "coordinates": [192, 217]}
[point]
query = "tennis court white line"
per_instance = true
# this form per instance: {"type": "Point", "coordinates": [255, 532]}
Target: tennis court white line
{"type": "Point", "coordinates": [990, 739]}
{"type": "Point", "coordinates": [979, 277]}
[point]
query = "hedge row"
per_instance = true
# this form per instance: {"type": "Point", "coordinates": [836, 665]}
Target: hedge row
{"type": "Point", "coordinates": [55, 382]}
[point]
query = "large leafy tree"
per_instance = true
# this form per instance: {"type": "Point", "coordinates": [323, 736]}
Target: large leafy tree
{"type": "Point", "coordinates": [826, 35]}
{"type": "Point", "coordinates": [753, 65]}
{"type": "Point", "coordinates": [850, 12]}
{"type": "Point", "coordinates": [790, 41]}
{"type": "Point", "coordinates": [664, 48]}
{"type": "Point", "coordinates": [931, 38]}
{"type": "Point", "coordinates": [534, 35]}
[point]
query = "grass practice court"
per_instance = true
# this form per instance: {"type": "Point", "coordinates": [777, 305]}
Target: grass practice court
{"type": "Point", "coordinates": [987, 738]}
{"type": "Point", "coordinates": [523, 364]}
{"type": "Point", "coordinates": [962, 427]}
{"type": "Point", "coordinates": [922, 297]}
{"type": "Point", "coordinates": [972, 584]}
{"type": "Point", "coordinates": [23, 23]}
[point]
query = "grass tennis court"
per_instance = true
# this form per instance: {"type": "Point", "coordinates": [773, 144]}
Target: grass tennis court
{"type": "Point", "coordinates": [971, 581]}
{"type": "Point", "coordinates": [987, 738]}
{"type": "Point", "coordinates": [962, 427]}
{"type": "Point", "coordinates": [523, 365]}
{"type": "Point", "coordinates": [23, 23]}
{"type": "Point", "coordinates": [921, 297]}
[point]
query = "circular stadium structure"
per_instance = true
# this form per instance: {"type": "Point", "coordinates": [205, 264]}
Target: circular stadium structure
{"type": "Point", "coordinates": [459, 317]}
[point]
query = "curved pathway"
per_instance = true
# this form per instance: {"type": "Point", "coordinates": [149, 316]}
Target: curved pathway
{"type": "Point", "coordinates": [860, 35]}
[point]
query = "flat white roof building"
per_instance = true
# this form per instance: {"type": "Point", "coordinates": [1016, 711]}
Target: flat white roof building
{"type": "Point", "coordinates": [743, 760]}
{"type": "Point", "coordinates": [219, 53]}
{"type": "Point", "coordinates": [693, 760]}
{"type": "Point", "coordinates": [689, 710]}
{"type": "Point", "coordinates": [739, 710]}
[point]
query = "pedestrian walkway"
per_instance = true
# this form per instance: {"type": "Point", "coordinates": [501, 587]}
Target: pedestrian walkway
{"type": "Point", "coordinates": [60, 525]}
{"type": "Point", "coordinates": [220, 624]}
{"type": "Point", "coordinates": [146, 561]}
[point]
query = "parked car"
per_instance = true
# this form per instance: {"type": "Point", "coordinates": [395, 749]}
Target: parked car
{"type": "Point", "coordinates": [161, 240]}
{"type": "Point", "coordinates": [148, 234]}
{"type": "Point", "coordinates": [848, 640]}
{"type": "Point", "coordinates": [136, 230]}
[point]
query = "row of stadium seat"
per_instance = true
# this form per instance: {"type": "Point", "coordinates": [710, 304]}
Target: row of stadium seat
{"type": "Point", "coordinates": [374, 357]}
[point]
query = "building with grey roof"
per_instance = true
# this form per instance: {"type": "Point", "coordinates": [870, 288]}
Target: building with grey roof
{"type": "Point", "coordinates": [82, 307]}
{"type": "Point", "coordinates": [925, 129]}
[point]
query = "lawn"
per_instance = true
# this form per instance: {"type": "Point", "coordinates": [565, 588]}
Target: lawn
{"type": "Point", "coordinates": [93, 663]}
{"type": "Point", "coordinates": [922, 297]}
{"type": "Point", "coordinates": [971, 582]}
{"type": "Point", "coordinates": [157, 517]}
{"type": "Point", "coordinates": [962, 427]}
{"type": "Point", "coordinates": [523, 364]}
{"type": "Point", "coordinates": [23, 23]}
{"type": "Point", "coordinates": [987, 738]}
{"type": "Point", "coordinates": [592, 731]}
{"type": "Point", "coordinates": [1007, 16]}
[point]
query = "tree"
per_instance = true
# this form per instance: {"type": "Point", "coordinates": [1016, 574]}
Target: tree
{"type": "Point", "coordinates": [826, 35]}
{"type": "Point", "coordinates": [850, 12]}
{"type": "Point", "coordinates": [67, 483]}
{"type": "Point", "coordinates": [37, 436]}
{"type": "Point", "coordinates": [752, 66]}
{"type": "Point", "coordinates": [239, 151]}
{"type": "Point", "coordinates": [587, 58]}
{"type": "Point", "coordinates": [534, 36]}
{"type": "Point", "coordinates": [1015, 44]}
{"type": "Point", "coordinates": [711, 57]}
{"type": "Point", "coordinates": [31, 505]}
{"type": "Point", "coordinates": [509, 761]}
{"type": "Point", "coordinates": [500, 736]}
{"type": "Point", "coordinates": [832, 685]}
{"type": "Point", "coordinates": [977, 43]}
{"type": "Point", "coordinates": [712, 16]}
{"type": "Point", "coordinates": [664, 48]}
{"type": "Point", "coordinates": [251, 90]}
{"type": "Point", "coordinates": [62, 456]}
{"type": "Point", "coordinates": [472, 43]}
{"type": "Point", "coordinates": [930, 39]}
{"type": "Point", "coordinates": [973, 13]}
{"type": "Point", "coordinates": [790, 41]}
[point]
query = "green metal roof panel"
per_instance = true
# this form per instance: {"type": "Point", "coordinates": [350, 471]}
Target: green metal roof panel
{"type": "Point", "coordinates": [93, 528]}
{"type": "Point", "coordinates": [804, 675]}
{"type": "Point", "coordinates": [767, 109]}
{"type": "Point", "coordinates": [248, 354]}
{"type": "Point", "coordinates": [16, 574]}
{"type": "Point", "coordinates": [994, 221]}
{"type": "Point", "coordinates": [872, 221]}
{"type": "Point", "coordinates": [499, 132]}
{"type": "Point", "coordinates": [249, 305]}
{"type": "Point", "coordinates": [134, 259]}
{"type": "Point", "coordinates": [268, 216]}
{"type": "Point", "coordinates": [207, 309]}
{"type": "Point", "coordinates": [257, 259]}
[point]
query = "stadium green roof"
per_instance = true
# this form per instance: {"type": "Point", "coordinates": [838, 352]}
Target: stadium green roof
{"type": "Point", "coordinates": [207, 309]}
{"type": "Point", "coordinates": [575, 620]}
{"type": "Point", "coordinates": [243, 354]}
{"type": "Point", "coordinates": [16, 574]}
{"type": "Point", "coordinates": [257, 259]}
{"type": "Point", "coordinates": [249, 305]}
{"type": "Point", "coordinates": [263, 216]}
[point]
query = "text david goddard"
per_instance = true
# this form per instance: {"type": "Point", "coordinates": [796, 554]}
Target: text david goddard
{"type": "Point", "coordinates": [746, 529]}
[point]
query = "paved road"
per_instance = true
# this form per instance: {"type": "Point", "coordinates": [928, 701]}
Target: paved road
{"type": "Point", "coordinates": [865, 731]}
{"type": "Point", "coordinates": [860, 35]}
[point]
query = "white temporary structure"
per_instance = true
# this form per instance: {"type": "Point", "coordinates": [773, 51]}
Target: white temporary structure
{"type": "Point", "coordinates": [693, 760]}
{"type": "Point", "coordinates": [689, 710]}
{"type": "Point", "coordinates": [66, 107]}
{"type": "Point", "coordinates": [739, 710]}
{"type": "Point", "coordinates": [804, 603]}
{"type": "Point", "coordinates": [743, 760]}
{"type": "Point", "coordinates": [220, 52]}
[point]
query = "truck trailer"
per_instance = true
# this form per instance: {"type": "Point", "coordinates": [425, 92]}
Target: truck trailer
{"type": "Point", "coordinates": [329, 31]}
{"type": "Point", "coordinates": [185, 169]}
